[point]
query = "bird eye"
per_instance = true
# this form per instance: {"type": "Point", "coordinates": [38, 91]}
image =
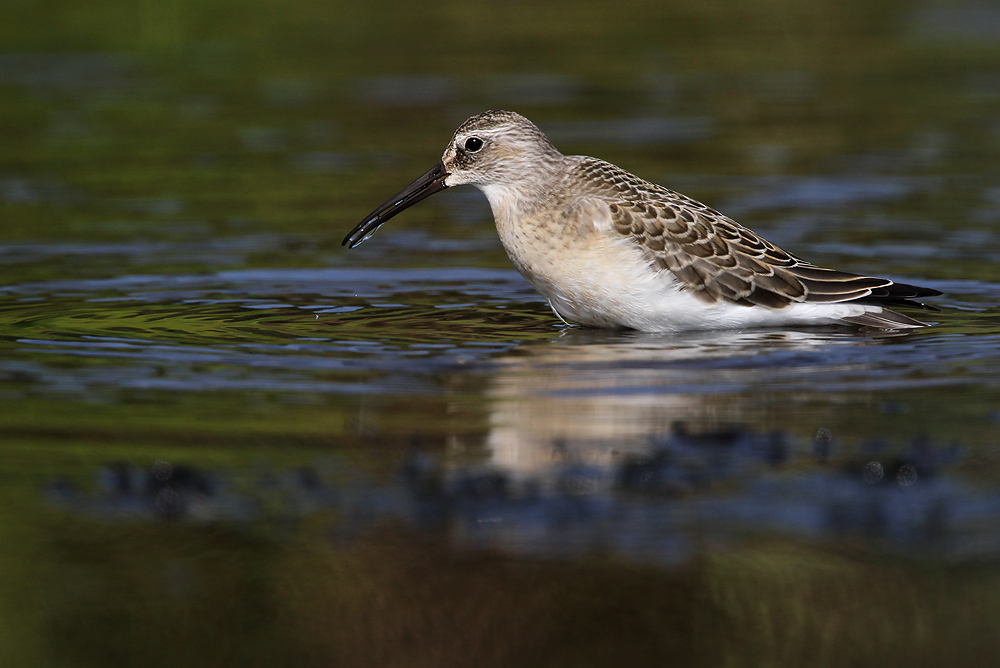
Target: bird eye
{"type": "Point", "coordinates": [473, 144]}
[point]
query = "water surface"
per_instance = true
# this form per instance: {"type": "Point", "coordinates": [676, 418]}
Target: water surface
{"type": "Point", "coordinates": [228, 440]}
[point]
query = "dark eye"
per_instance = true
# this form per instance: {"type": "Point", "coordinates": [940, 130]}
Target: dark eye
{"type": "Point", "coordinates": [473, 144]}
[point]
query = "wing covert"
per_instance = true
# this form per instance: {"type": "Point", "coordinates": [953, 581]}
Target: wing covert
{"type": "Point", "coordinates": [712, 255]}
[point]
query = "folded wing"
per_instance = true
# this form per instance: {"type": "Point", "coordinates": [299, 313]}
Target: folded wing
{"type": "Point", "coordinates": [717, 259]}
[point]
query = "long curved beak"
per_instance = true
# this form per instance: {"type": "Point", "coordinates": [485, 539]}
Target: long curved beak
{"type": "Point", "coordinates": [424, 186]}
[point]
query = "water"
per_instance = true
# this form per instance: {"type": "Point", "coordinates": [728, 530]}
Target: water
{"type": "Point", "coordinates": [226, 439]}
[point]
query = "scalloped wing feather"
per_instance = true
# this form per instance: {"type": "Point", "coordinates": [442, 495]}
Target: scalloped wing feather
{"type": "Point", "coordinates": [716, 258]}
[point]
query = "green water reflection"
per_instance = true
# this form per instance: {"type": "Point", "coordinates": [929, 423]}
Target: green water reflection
{"type": "Point", "coordinates": [175, 180]}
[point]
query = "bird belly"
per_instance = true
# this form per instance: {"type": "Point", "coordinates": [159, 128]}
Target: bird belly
{"type": "Point", "coordinates": [596, 280]}
{"type": "Point", "coordinates": [602, 281]}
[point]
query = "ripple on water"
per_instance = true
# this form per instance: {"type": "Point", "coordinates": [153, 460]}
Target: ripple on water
{"type": "Point", "coordinates": [388, 312]}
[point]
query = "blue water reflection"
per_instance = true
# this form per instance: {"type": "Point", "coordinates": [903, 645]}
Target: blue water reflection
{"type": "Point", "coordinates": [681, 494]}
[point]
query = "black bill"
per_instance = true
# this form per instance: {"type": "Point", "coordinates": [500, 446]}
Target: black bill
{"type": "Point", "coordinates": [430, 182]}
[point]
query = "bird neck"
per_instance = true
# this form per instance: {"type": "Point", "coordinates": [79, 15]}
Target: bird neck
{"type": "Point", "coordinates": [524, 191]}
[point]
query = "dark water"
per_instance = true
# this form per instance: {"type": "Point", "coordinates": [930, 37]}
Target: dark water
{"type": "Point", "coordinates": [228, 441]}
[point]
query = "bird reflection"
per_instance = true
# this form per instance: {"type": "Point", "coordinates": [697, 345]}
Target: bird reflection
{"type": "Point", "coordinates": [592, 395]}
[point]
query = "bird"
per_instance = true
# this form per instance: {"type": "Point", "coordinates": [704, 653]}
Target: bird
{"type": "Point", "coordinates": [608, 249]}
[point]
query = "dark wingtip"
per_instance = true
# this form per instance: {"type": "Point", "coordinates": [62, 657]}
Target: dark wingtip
{"type": "Point", "coordinates": [904, 294]}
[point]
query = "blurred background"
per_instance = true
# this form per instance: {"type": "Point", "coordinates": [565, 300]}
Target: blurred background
{"type": "Point", "coordinates": [224, 439]}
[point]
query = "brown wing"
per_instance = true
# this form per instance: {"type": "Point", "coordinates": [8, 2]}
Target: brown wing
{"type": "Point", "coordinates": [719, 259]}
